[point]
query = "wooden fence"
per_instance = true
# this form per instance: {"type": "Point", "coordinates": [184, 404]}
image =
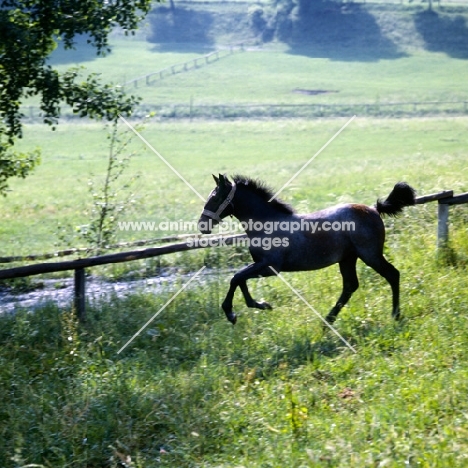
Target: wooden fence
{"type": "Point", "coordinates": [191, 110]}
{"type": "Point", "coordinates": [151, 78]}
{"type": "Point", "coordinates": [79, 265]}
{"type": "Point", "coordinates": [444, 199]}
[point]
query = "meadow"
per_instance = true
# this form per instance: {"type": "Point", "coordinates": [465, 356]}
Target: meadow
{"type": "Point", "coordinates": [363, 164]}
{"type": "Point", "coordinates": [276, 390]}
{"type": "Point", "coordinates": [272, 74]}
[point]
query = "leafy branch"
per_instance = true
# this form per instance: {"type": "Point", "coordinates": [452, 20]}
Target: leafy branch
{"type": "Point", "coordinates": [111, 198]}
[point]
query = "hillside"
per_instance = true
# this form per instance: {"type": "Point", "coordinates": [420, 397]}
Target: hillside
{"type": "Point", "coordinates": [358, 30]}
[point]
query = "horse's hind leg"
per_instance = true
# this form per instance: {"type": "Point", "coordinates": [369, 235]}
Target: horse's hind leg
{"type": "Point", "coordinates": [392, 275]}
{"type": "Point", "coordinates": [350, 284]}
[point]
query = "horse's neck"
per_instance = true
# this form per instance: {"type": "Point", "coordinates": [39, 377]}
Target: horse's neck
{"type": "Point", "coordinates": [249, 206]}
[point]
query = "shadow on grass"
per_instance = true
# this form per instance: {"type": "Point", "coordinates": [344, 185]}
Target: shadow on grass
{"type": "Point", "coordinates": [344, 34]}
{"type": "Point", "coordinates": [183, 48]}
{"type": "Point", "coordinates": [82, 52]}
{"type": "Point", "coordinates": [443, 33]}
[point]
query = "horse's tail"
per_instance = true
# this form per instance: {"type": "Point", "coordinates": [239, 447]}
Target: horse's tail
{"type": "Point", "coordinates": [402, 195]}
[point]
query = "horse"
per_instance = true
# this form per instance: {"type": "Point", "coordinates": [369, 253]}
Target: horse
{"type": "Point", "coordinates": [279, 239]}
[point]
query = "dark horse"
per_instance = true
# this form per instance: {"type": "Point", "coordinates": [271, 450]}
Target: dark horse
{"type": "Point", "coordinates": [281, 240]}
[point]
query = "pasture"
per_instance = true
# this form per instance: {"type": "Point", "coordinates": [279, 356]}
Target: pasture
{"type": "Point", "coordinates": [273, 74]}
{"type": "Point", "coordinates": [361, 165]}
{"type": "Point", "coordinates": [275, 390]}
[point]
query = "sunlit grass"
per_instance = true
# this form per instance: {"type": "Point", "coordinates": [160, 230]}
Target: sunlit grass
{"type": "Point", "coordinates": [364, 163]}
{"type": "Point", "coordinates": [271, 75]}
{"type": "Point", "coordinates": [275, 390]}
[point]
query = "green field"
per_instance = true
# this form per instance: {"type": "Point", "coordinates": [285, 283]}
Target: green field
{"type": "Point", "coordinates": [368, 158]}
{"type": "Point", "coordinates": [276, 390]}
{"type": "Point", "coordinates": [271, 74]}
{"type": "Point", "coordinates": [192, 391]}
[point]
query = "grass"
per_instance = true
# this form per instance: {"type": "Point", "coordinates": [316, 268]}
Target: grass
{"type": "Point", "coordinates": [368, 158]}
{"type": "Point", "coordinates": [269, 75]}
{"type": "Point", "coordinates": [274, 391]}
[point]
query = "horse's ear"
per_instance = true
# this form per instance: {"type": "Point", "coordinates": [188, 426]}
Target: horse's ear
{"type": "Point", "coordinates": [224, 179]}
{"type": "Point", "coordinates": [215, 179]}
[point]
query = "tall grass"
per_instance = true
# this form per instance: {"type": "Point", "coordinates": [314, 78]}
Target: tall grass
{"type": "Point", "coordinates": [273, 391]}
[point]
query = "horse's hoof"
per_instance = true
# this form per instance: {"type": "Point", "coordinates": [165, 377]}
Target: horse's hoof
{"type": "Point", "coordinates": [264, 306]}
{"type": "Point", "coordinates": [232, 317]}
{"type": "Point", "coordinates": [396, 314]}
{"type": "Point", "coordinates": [328, 323]}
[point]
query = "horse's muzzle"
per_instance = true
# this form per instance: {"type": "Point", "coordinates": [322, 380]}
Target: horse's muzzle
{"type": "Point", "coordinates": [205, 224]}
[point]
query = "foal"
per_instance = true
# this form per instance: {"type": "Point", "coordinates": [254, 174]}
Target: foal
{"type": "Point", "coordinates": [282, 240]}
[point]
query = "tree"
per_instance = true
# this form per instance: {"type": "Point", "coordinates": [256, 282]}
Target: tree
{"type": "Point", "coordinates": [29, 31]}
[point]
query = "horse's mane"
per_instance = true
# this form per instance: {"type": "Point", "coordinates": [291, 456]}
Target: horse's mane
{"type": "Point", "coordinates": [264, 192]}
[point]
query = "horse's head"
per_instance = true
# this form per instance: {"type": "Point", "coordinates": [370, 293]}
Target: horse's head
{"type": "Point", "coordinates": [219, 204]}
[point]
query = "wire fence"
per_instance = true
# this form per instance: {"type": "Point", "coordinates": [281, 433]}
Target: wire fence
{"type": "Point", "coordinates": [192, 110]}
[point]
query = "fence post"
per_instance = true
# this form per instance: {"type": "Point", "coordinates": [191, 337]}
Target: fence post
{"type": "Point", "coordinates": [80, 291]}
{"type": "Point", "coordinates": [442, 224]}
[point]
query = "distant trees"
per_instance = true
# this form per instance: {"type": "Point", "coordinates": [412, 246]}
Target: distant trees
{"type": "Point", "coordinates": [29, 32]}
{"type": "Point", "coordinates": [290, 12]}
{"type": "Point", "coordinates": [303, 7]}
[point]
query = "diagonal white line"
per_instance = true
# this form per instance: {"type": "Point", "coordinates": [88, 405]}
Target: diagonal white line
{"type": "Point", "coordinates": [312, 158]}
{"type": "Point", "coordinates": [298, 294]}
{"type": "Point", "coordinates": [164, 160]}
{"type": "Point", "coordinates": [161, 309]}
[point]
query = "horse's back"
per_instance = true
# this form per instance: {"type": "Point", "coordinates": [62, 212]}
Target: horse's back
{"type": "Point", "coordinates": [351, 217]}
{"type": "Point", "coordinates": [355, 229]}
{"type": "Point", "coordinates": [335, 233]}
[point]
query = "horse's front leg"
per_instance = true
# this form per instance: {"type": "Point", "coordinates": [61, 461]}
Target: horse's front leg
{"type": "Point", "coordinates": [250, 301]}
{"type": "Point", "coordinates": [254, 270]}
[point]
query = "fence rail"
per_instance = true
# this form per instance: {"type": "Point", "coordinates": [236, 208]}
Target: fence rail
{"type": "Point", "coordinates": [151, 79]}
{"type": "Point", "coordinates": [121, 257]}
{"type": "Point", "coordinates": [79, 265]}
{"type": "Point", "coordinates": [444, 200]}
{"type": "Point", "coordinates": [86, 250]}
